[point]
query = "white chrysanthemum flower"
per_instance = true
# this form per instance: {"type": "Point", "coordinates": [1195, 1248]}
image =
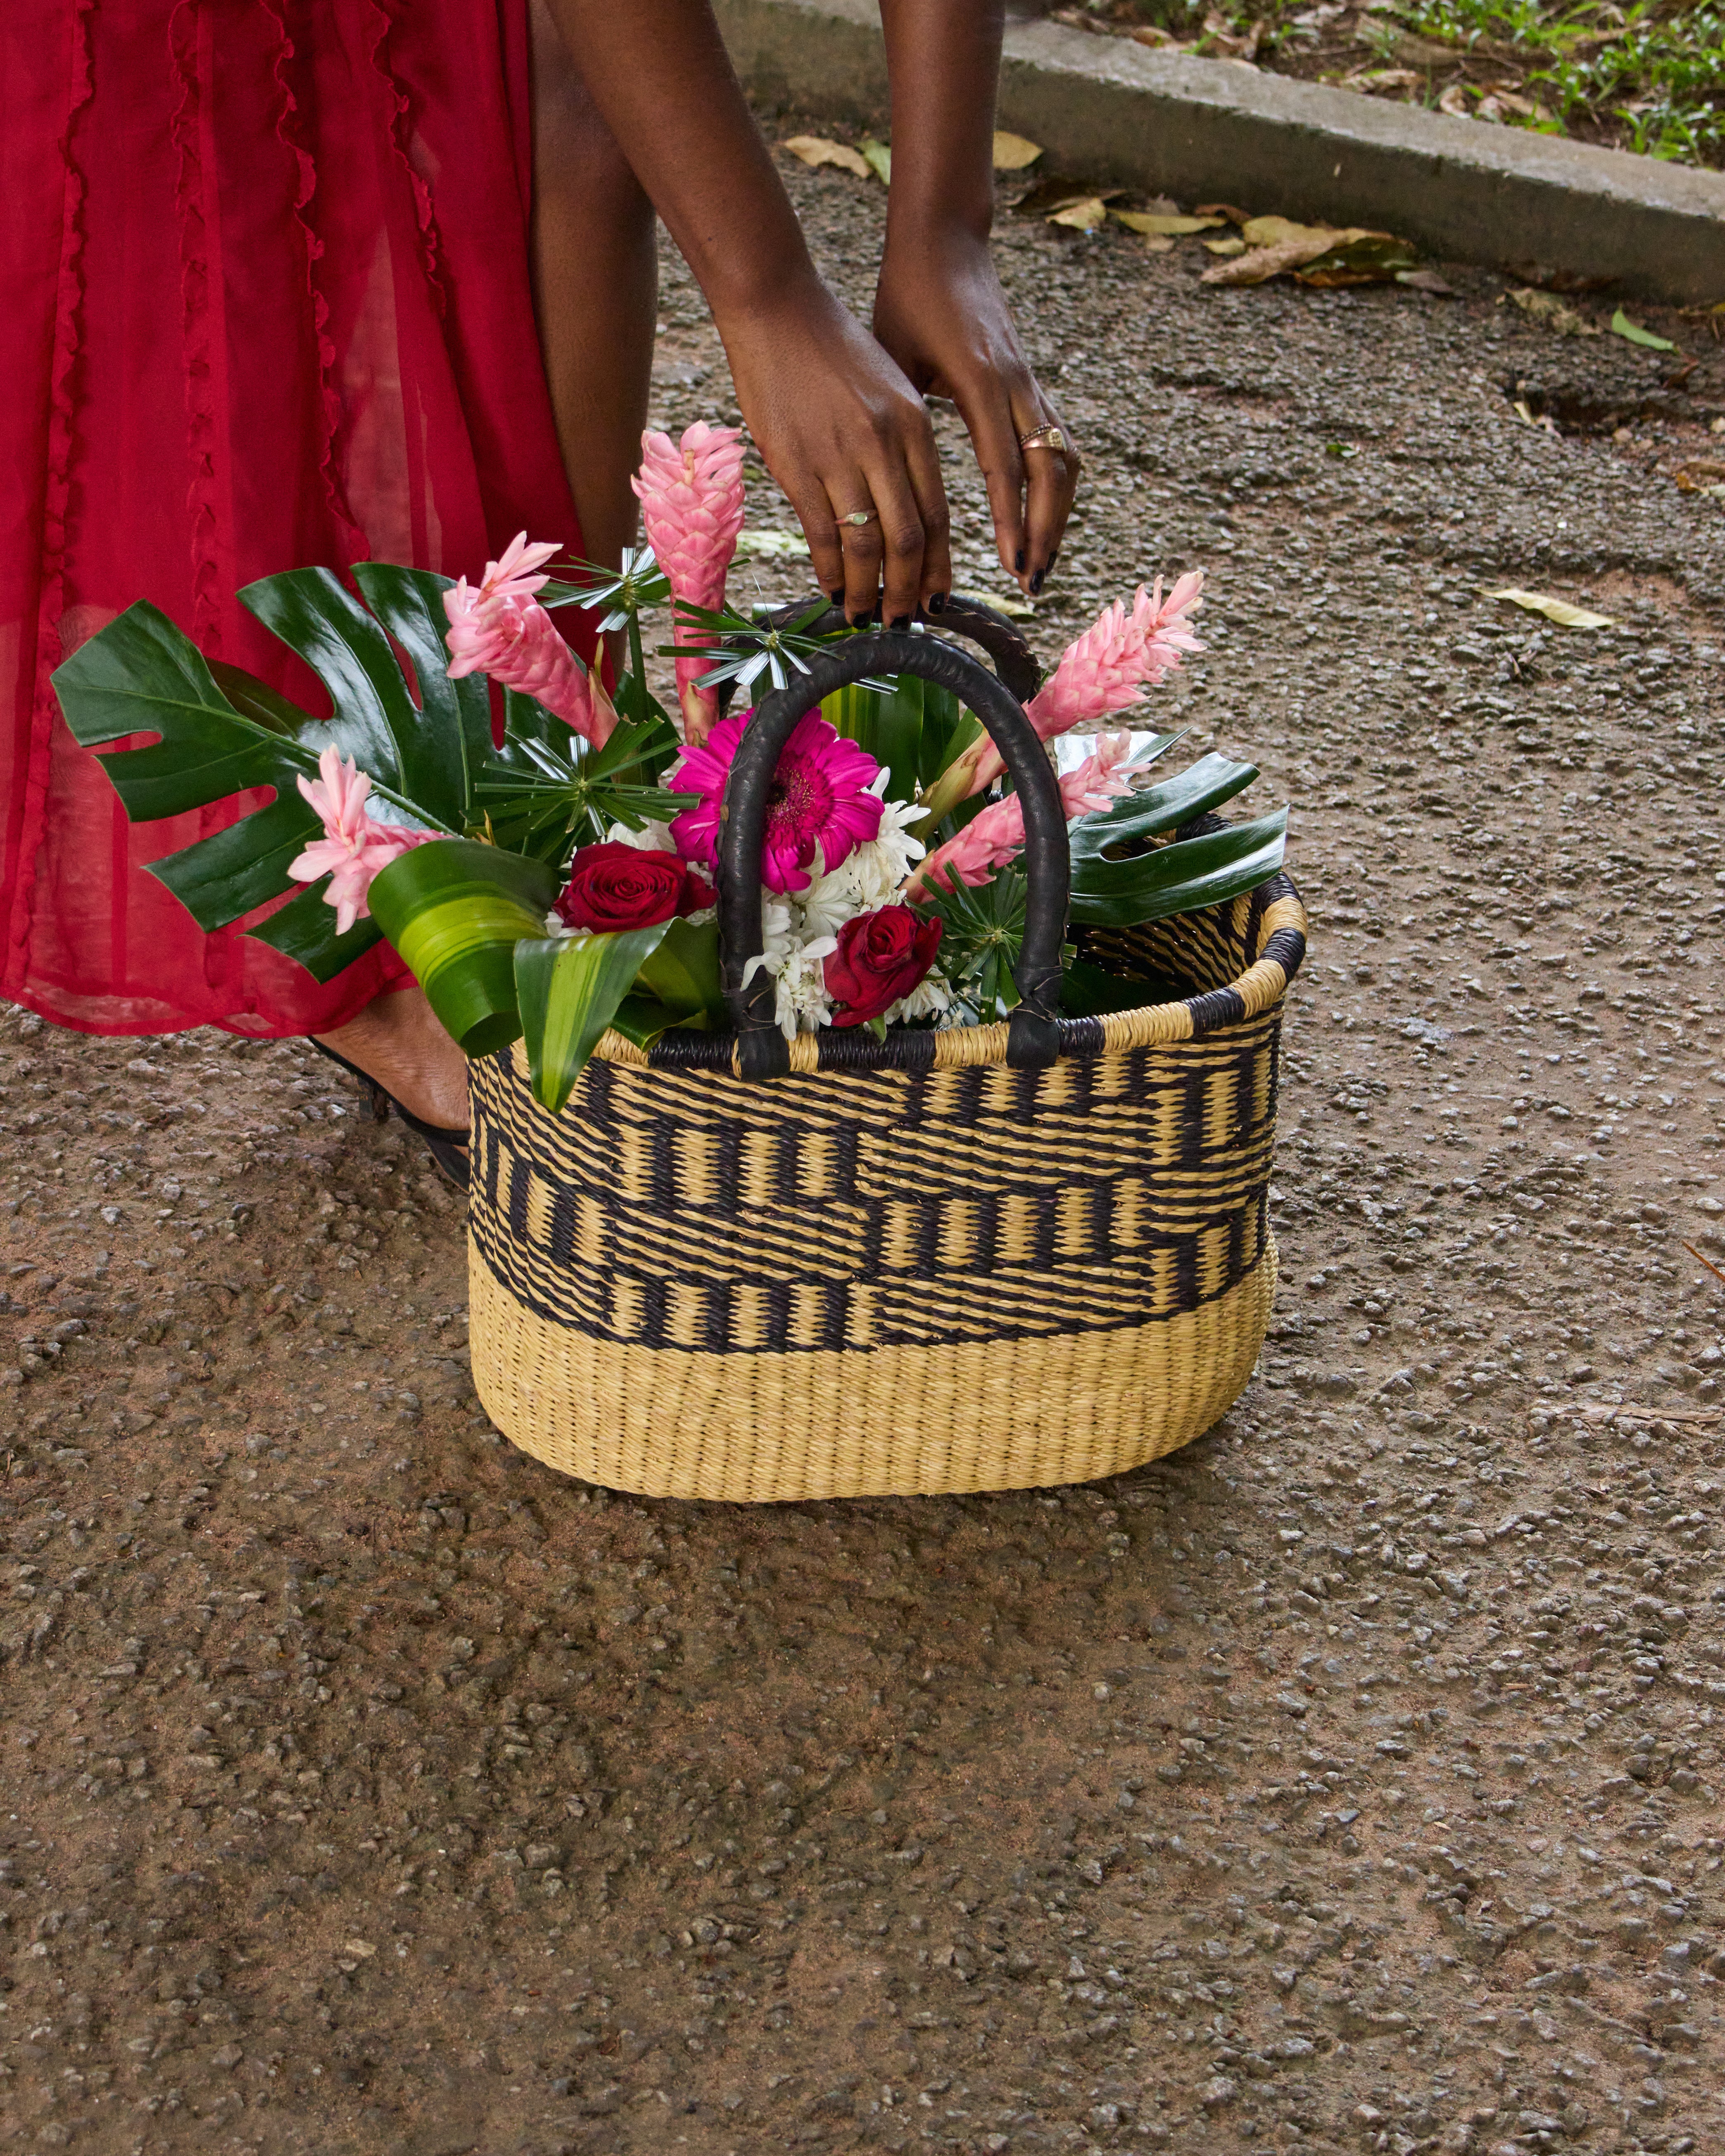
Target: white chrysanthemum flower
{"type": "Point", "coordinates": [650, 839]}
{"type": "Point", "coordinates": [830, 901]}
{"type": "Point", "coordinates": [804, 1005]}
{"type": "Point", "coordinates": [797, 965]}
{"type": "Point", "coordinates": [930, 998]}
{"type": "Point", "coordinates": [555, 925]}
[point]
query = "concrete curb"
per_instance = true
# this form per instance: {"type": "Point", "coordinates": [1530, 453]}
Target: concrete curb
{"type": "Point", "coordinates": [1123, 114]}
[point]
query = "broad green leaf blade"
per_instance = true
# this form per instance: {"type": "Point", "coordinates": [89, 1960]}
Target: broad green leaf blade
{"type": "Point", "coordinates": [1181, 878]}
{"type": "Point", "coordinates": [645, 1019]}
{"type": "Point", "coordinates": [1136, 818]}
{"type": "Point", "coordinates": [683, 974]}
{"type": "Point", "coordinates": [568, 989]}
{"type": "Point", "coordinates": [233, 872]}
{"type": "Point", "coordinates": [455, 911]}
{"type": "Point", "coordinates": [887, 727]}
{"type": "Point", "coordinates": [256, 700]}
{"type": "Point", "coordinates": [305, 930]}
{"type": "Point", "coordinates": [312, 611]}
{"type": "Point", "coordinates": [948, 730]}
{"type": "Point", "coordinates": [452, 736]}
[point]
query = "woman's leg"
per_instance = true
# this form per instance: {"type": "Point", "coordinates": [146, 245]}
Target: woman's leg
{"type": "Point", "coordinates": [596, 287]}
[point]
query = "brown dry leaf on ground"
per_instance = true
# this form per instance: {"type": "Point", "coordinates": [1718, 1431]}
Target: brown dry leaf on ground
{"type": "Point", "coordinates": [1700, 475]}
{"type": "Point", "coordinates": [1321, 254]}
{"type": "Point", "coordinates": [1559, 611]}
{"type": "Point", "coordinates": [1371, 78]}
{"type": "Point", "coordinates": [1227, 247]}
{"type": "Point", "coordinates": [1454, 101]}
{"type": "Point", "coordinates": [817, 150]}
{"type": "Point", "coordinates": [1152, 222]}
{"type": "Point", "coordinates": [1222, 209]}
{"type": "Point", "coordinates": [1013, 153]}
{"type": "Point", "coordinates": [1089, 215]}
{"type": "Point", "coordinates": [1547, 308]}
{"type": "Point", "coordinates": [1056, 192]}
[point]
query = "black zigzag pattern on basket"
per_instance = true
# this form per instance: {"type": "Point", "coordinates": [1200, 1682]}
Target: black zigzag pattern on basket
{"type": "Point", "coordinates": [695, 1211]}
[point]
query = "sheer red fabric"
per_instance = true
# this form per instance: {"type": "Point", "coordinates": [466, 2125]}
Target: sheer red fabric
{"type": "Point", "coordinates": [267, 304]}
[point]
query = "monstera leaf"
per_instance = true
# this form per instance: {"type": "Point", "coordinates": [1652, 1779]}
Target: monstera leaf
{"type": "Point", "coordinates": [221, 732]}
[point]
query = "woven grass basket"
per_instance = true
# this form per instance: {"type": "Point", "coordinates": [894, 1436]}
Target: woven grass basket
{"type": "Point", "coordinates": [992, 1258]}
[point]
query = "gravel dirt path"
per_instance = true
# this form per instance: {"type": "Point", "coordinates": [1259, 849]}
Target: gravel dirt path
{"type": "Point", "coordinates": [1348, 1781]}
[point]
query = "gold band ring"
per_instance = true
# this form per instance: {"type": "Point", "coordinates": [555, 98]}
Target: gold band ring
{"type": "Point", "coordinates": [859, 517]}
{"type": "Point", "coordinates": [1046, 438]}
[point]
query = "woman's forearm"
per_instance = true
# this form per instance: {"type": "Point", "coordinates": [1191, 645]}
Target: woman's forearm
{"type": "Point", "coordinates": [943, 64]}
{"type": "Point", "coordinates": [659, 71]}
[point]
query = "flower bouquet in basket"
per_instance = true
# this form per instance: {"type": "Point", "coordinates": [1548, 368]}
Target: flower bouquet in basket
{"type": "Point", "coordinates": [890, 859]}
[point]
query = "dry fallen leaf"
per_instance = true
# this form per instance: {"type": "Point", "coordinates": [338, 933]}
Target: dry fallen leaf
{"type": "Point", "coordinates": [1146, 34]}
{"type": "Point", "coordinates": [1558, 610]}
{"type": "Point", "coordinates": [1425, 281]}
{"type": "Point", "coordinates": [1013, 153]}
{"type": "Point", "coordinates": [1164, 228]}
{"type": "Point", "coordinates": [879, 158]}
{"type": "Point", "coordinates": [1221, 209]}
{"type": "Point", "coordinates": [1370, 79]}
{"type": "Point", "coordinates": [1454, 101]}
{"type": "Point", "coordinates": [1524, 413]}
{"type": "Point", "coordinates": [770, 545]}
{"type": "Point", "coordinates": [1156, 243]}
{"type": "Point", "coordinates": [1055, 193]}
{"type": "Point", "coordinates": [1225, 247]}
{"type": "Point", "coordinates": [817, 150]}
{"type": "Point", "coordinates": [1087, 216]}
{"type": "Point", "coordinates": [1700, 475]}
{"type": "Point", "coordinates": [1547, 308]}
{"type": "Point", "coordinates": [1009, 603]}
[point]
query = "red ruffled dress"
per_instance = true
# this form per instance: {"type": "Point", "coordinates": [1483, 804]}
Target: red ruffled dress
{"type": "Point", "coordinates": [267, 303]}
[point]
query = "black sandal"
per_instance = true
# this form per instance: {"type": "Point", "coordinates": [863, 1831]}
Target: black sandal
{"type": "Point", "coordinates": [448, 1149]}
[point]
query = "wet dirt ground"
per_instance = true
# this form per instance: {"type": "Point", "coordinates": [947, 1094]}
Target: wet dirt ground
{"type": "Point", "coordinates": [1349, 1781]}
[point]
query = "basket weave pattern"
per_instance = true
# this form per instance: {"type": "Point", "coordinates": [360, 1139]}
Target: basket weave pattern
{"type": "Point", "coordinates": [953, 1275]}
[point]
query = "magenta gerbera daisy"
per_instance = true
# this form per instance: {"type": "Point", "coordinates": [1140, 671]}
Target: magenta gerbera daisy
{"type": "Point", "coordinates": [820, 797]}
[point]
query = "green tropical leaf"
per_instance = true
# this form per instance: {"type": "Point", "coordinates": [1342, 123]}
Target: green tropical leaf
{"type": "Point", "coordinates": [1179, 878]}
{"type": "Point", "coordinates": [682, 974]}
{"type": "Point", "coordinates": [221, 732]}
{"type": "Point", "coordinates": [569, 989]}
{"type": "Point", "coordinates": [1137, 818]}
{"type": "Point", "coordinates": [887, 726]}
{"type": "Point", "coordinates": [426, 753]}
{"type": "Point", "coordinates": [456, 909]}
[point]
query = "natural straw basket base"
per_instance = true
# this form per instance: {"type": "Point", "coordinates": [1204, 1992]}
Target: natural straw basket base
{"type": "Point", "coordinates": [855, 1282]}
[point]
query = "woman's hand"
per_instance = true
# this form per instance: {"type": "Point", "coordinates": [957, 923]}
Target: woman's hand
{"type": "Point", "coordinates": [843, 434]}
{"type": "Point", "coordinates": [939, 311]}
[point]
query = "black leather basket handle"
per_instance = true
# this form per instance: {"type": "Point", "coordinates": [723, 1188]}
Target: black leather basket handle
{"type": "Point", "coordinates": [1033, 1034]}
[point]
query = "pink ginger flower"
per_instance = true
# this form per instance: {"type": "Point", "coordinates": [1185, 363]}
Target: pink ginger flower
{"type": "Point", "coordinates": [997, 836]}
{"type": "Point", "coordinates": [353, 847]}
{"type": "Point", "coordinates": [498, 627]}
{"type": "Point", "coordinates": [820, 799]}
{"type": "Point", "coordinates": [1117, 657]}
{"type": "Point", "coordinates": [690, 493]}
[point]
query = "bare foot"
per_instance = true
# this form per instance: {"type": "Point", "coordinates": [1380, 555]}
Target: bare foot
{"type": "Point", "coordinates": [396, 1040]}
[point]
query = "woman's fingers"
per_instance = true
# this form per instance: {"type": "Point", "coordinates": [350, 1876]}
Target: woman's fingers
{"type": "Point", "coordinates": [988, 421]}
{"type": "Point", "coordinates": [1052, 482]}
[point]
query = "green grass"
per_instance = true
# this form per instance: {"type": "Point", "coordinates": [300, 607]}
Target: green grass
{"type": "Point", "coordinates": [1659, 70]}
{"type": "Point", "coordinates": [1647, 75]}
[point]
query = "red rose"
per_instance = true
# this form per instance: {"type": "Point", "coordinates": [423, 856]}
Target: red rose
{"type": "Point", "coordinates": [881, 957]}
{"type": "Point", "coordinates": [614, 886]}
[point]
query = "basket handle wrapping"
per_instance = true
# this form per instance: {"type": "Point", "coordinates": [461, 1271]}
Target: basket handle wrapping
{"type": "Point", "coordinates": [1032, 1036]}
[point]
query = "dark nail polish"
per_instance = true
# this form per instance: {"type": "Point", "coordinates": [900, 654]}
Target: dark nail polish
{"type": "Point", "coordinates": [1054, 557]}
{"type": "Point", "coordinates": [837, 596]}
{"type": "Point", "coordinates": [937, 603]}
{"type": "Point", "coordinates": [1017, 561]}
{"type": "Point", "coordinates": [900, 621]}
{"type": "Point", "coordinates": [861, 620]}
{"type": "Point", "coordinates": [1036, 582]}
